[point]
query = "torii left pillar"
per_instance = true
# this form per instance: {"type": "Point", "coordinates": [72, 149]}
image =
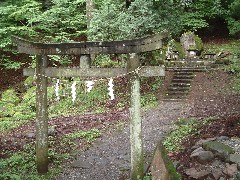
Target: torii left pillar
{"type": "Point", "coordinates": [41, 115]}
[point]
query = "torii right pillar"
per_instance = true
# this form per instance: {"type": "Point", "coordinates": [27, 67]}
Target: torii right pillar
{"type": "Point", "coordinates": [137, 159]}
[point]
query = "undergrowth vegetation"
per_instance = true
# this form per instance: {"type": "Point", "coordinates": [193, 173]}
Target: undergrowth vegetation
{"type": "Point", "coordinates": [231, 52]}
{"type": "Point", "coordinates": [183, 129]}
{"type": "Point", "coordinates": [19, 108]}
{"type": "Point", "coordinates": [22, 165]}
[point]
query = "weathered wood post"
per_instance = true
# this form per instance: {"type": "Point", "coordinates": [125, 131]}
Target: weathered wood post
{"type": "Point", "coordinates": [41, 116]}
{"type": "Point", "coordinates": [137, 159]}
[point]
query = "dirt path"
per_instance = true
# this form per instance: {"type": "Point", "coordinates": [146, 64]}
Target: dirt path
{"type": "Point", "coordinates": [109, 158]}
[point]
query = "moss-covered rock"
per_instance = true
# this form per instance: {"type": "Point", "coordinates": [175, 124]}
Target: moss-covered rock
{"type": "Point", "coordinates": [220, 149]}
{"type": "Point", "coordinates": [191, 41]}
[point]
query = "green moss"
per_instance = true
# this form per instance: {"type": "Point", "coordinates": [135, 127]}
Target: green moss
{"type": "Point", "coordinates": [218, 147]}
{"type": "Point", "coordinates": [199, 43]}
{"type": "Point", "coordinates": [169, 164]}
{"type": "Point", "coordinates": [10, 96]}
{"type": "Point", "coordinates": [180, 50]}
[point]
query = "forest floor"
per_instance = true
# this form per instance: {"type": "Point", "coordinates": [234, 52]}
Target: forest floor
{"type": "Point", "coordinates": [210, 96]}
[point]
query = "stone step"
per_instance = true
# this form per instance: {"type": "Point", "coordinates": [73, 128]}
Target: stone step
{"type": "Point", "coordinates": [183, 76]}
{"type": "Point", "coordinates": [178, 80]}
{"type": "Point", "coordinates": [187, 69]}
{"type": "Point", "coordinates": [182, 72]}
{"type": "Point", "coordinates": [191, 61]}
{"type": "Point", "coordinates": [178, 88]}
{"type": "Point", "coordinates": [177, 84]}
{"type": "Point", "coordinates": [181, 82]}
{"type": "Point", "coordinates": [177, 93]}
{"type": "Point", "coordinates": [174, 100]}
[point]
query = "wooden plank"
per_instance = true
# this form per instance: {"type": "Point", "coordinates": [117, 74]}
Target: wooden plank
{"type": "Point", "coordinates": [41, 116]}
{"type": "Point", "coordinates": [77, 72]}
{"type": "Point", "coordinates": [148, 71]}
{"type": "Point", "coordinates": [137, 159]}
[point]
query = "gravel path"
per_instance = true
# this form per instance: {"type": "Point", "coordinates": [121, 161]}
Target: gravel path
{"type": "Point", "coordinates": [109, 157]}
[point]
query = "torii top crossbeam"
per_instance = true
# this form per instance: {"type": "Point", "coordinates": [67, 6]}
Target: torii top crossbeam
{"type": "Point", "coordinates": [145, 44]}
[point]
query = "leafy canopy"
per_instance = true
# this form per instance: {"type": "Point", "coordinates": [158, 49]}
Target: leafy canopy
{"type": "Point", "coordinates": [112, 21]}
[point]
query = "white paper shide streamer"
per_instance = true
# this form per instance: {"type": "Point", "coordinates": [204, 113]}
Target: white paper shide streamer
{"type": "Point", "coordinates": [74, 94]}
{"type": "Point", "coordinates": [110, 89]}
{"type": "Point", "coordinates": [57, 89]}
{"type": "Point", "coordinates": [89, 85]}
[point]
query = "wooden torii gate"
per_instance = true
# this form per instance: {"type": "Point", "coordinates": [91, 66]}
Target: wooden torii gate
{"type": "Point", "coordinates": [84, 50]}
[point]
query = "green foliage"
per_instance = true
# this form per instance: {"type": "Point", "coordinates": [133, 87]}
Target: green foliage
{"type": "Point", "coordinates": [14, 110]}
{"type": "Point", "coordinates": [197, 14]}
{"type": "Point", "coordinates": [156, 85]}
{"type": "Point", "coordinates": [15, 19]}
{"type": "Point", "coordinates": [234, 67]}
{"type": "Point", "coordinates": [22, 165]}
{"type": "Point", "coordinates": [10, 96]}
{"type": "Point", "coordinates": [173, 141]}
{"type": "Point", "coordinates": [28, 82]}
{"type": "Point", "coordinates": [148, 100]}
{"type": "Point", "coordinates": [236, 84]}
{"type": "Point", "coordinates": [61, 21]}
{"type": "Point", "coordinates": [235, 9]}
{"type": "Point", "coordinates": [104, 60]}
{"type": "Point", "coordinates": [233, 26]}
{"type": "Point", "coordinates": [85, 101]}
{"type": "Point", "coordinates": [112, 22]}
{"type": "Point", "coordinates": [8, 103]}
{"type": "Point", "coordinates": [7, 63]}
{"type": "Point", "coordinates": [90, 135]}
{"type": "Point", "coordinates": [176, 46]}
{"type": "Point", "coordinates": [193, 21]}
{"type": "Point", "coordinates": [233, 18]}
{"type": "Point", "coordinates": [185, 128]}
{"type": "Point", "coordinates": [199, 43]}
{"type": "Point", "coordinates": [64, 60]}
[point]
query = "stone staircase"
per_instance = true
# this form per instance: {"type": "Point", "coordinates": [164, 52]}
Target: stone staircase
{"type": "Point", "coordinates": [181, 83]}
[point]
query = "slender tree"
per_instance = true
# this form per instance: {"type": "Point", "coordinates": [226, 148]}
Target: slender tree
{"type": "Point", "coordinates": [90, 6]}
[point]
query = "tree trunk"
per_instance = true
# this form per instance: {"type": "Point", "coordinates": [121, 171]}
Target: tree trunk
{"type": "Point", "coordinates": [90, 6]}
